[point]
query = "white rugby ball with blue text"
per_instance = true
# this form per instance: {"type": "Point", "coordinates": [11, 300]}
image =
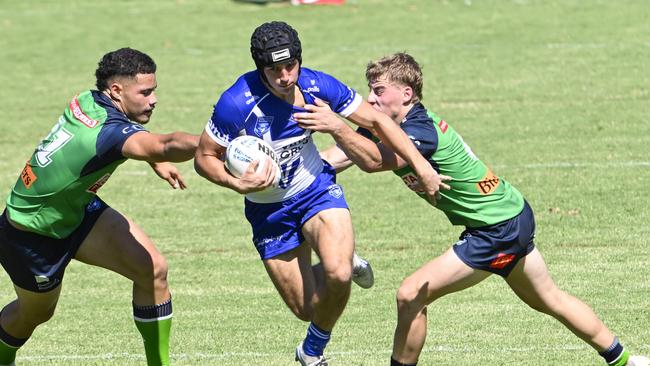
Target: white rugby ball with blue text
{"type": "Point", "coordinates": [244, 149]}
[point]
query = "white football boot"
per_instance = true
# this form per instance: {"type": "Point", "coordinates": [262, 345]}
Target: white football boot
{"type": "Point", "coordinates": [306, 360]}
{"type": "Point", "coordinates": [362, 273]}
{"type": "Point", "coordinates": [638, 361]}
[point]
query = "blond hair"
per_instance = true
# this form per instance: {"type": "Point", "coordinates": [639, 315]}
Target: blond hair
{"type": "Point", "coordinates": [397, 68]}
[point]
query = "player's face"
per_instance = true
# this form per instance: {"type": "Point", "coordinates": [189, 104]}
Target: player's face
{"type": "Point", "coordinates": [138, 99]}
{"type": "Point", "coordinates": [388, 97]}
{"type": "Point", "coordinates": [282, 77]}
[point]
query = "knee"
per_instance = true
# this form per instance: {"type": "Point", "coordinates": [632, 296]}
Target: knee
{"type": "Point", "coordinates": [551, 304]}
{"type": "Point", "coordinates": [409, 299]}
{"type": "Point", "coordinates": [36, 316]}
{"type": "Point", "coordinates": [338, 278]}
{"type": "Point", "coordinates": [154, 272]}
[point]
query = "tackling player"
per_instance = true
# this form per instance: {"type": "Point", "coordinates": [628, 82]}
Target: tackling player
{"type": "Point", "coordinates": [307, 210]}
{"type": "Point", "coordinates": [499, 223]}
{"type": "Point", "coordinates": [53, 213]}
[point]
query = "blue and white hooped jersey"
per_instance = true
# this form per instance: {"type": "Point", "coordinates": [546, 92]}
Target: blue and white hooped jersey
{"type": "Point", "coordinates": [249, 108]}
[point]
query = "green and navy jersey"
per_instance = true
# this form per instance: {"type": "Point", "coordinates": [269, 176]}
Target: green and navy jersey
{"type": "Point", "coordinates": [69, 165]}
{"type": "Point", "coordinates": [477, 196]}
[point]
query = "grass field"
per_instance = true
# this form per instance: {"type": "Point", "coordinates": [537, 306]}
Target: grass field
{"type": "Point", "coordinates": [552, 94]}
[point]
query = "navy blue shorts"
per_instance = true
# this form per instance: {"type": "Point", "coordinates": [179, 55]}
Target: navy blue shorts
{"type": "Point", "coordinates": [497, 248]}
{"type": "Point", "coordinates": [277, 227]}
{"type": "Point", "coordinates": [35, 262]}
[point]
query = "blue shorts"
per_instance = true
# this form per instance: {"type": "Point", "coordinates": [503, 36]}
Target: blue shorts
{"type": "Point", "coordinates": [35, 262]}
{"type": "Point", "coordinates": [497, 248]}
{"type": "Point", "coordinates": [277, 227]}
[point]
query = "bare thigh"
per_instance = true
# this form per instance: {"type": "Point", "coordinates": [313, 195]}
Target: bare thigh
{"type": "Point", "coordinates": [531, 281]}
{"type": "Point", "coordinates": [118, 244]}
{"type": "Point", "coordinates": [292, 276]}
{"type": "Point", "coordinates": [331, 236]}
{"type": "Point", "coordinates": [441, 276]}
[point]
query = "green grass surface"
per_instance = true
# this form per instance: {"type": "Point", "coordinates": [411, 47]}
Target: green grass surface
{"type": "Point", "coordinates": [552, 94]}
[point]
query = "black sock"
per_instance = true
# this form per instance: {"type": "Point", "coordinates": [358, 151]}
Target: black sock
{"type": "Point", "coordinates": [395, 363]}
{"type": "Point", "coordinates": [615, 354]}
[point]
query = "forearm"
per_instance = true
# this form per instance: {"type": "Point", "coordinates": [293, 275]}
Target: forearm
{"type": "Point", "coordinates": [395, 138]}
{"type": "Point", "coordinates": [336, 158]}
{"type": "Point", "coordinates": [213, 169]}
{"type": "Point", "coordinates": [179, 146]}
{"type": "Point", "coordinates": [359, 150]}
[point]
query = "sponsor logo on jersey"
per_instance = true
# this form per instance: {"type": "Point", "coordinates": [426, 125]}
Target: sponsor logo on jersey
{"type": "Point", "coordinates": [411, 181]}
{"type": "Point", "coordinates": [313, 89]}
{"type": "Point", "coordinates": [280, 55]}
{"type": "Point", "coordinates": [262, 125]}
{"type": "Point", "coordinates": [294, 148]}
{"type": "Point", "coordinates": [335, 190]}
{"type": "Point", "coordinates": [250, 98]}
{"type": "Point", "coordinates": [488, 184]}
{"type": "Point", "coordinates": [97, 185]}
{"type": "Point", "coordinates": [27, 176]}
{"type": "Point", "coordinates": [443, 125]}
{"type": "Point", "coordinates": [222, 136]}
{"type": "Point", "coordinates": [502, 260]}
{"type": "Point", "coordinates": [133, 128]}
{"type": "Point", "coordinates": [80, 115]}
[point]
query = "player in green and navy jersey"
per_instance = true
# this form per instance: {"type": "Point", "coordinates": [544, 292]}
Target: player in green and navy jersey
{"type": "Point", "coordinates": [499, 223]}
{"type": "Point", "coordinates": [53, 213]}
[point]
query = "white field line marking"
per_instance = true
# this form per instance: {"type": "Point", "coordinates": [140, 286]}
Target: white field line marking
{"type": "Point", "coordinates": [235, 355]}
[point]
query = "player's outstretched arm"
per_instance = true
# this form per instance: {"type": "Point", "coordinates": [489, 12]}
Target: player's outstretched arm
{"type": "Point", "coordinates": [152, 147]}
{"type": "Point", "coordinates": [208, 163]}
{"type": "Point", "coordinates": [337, 158]}
{"type": "Point", "coordinates": [352, 146]}
{"type": "Point", "coordinates": [396, 140]}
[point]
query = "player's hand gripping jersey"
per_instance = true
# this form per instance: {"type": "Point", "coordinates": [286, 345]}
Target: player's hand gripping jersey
{"type": "Point", "coordinates": [249, 108]}
{"type": "Point", "coordinates": [70, 165]}
{"type": "Point", "coordinates": [477, 196]}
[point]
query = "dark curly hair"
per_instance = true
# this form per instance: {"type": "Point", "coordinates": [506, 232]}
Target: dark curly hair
{"type": "Point", "coordinates": [123, 62]}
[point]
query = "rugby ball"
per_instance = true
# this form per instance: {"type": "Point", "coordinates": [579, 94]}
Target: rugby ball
{"type": "Point", "coordinates": [244, 149]}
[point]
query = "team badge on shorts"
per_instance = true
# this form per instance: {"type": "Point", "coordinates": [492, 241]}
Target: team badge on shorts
{"type": "Point", "coordinates": [262, 125]}
{"type": "Point", "coordinates": [335, 190]}
{"type": "Point", "coordinates": [94, 205]}
{"type": "Point", "coordinates": [44, 283]}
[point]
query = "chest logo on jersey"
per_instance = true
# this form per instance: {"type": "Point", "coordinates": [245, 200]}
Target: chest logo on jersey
{"type": "Point", "coordinates": [97, 185]}
{"type": "Point", "coordinates": [27, 176]}
{"type": "Point", "coordinates": [80, 115]}
{"type": "Point", "coordinates": [488, 184]}
{"type": "Point", "coordinates": [262, 125]}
